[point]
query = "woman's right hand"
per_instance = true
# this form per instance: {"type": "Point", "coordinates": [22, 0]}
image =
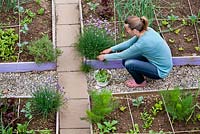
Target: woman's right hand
{"type": "Point", "coordinates": [106, 51]}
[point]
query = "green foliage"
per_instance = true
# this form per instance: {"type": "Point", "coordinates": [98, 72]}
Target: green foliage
{"type": "Point", "coordinates": [179, 104]}
{"type": "Point", "coordinates": [147, 119]}
{"type": "Point", "coordinates": [23, 129]}
{"type": "Point", "coordinates": [172, 17]}
{"type": "Point", "coordinates": [135, 131]}
{"type": "Point", "coordinates": [27, 110]}
{"type": "Point", "coordinates": [153, 132]}
{"type": "Point", "coordinates": [7, 5]}
{"type": "Point", "coordinates": [177, 31]}
{"type": "Point", "coordinates": [38, 2]}
{"type": "Point", "coordinates": [30, 13]}
{"type": "Point", "coordinates": [107, 127]}
{"type": "Point", "coordinates": [40, 11]}
{"type": "Point", "coordinates": [158, 106]}
{"type": "Point", "coordinates": [198, 116]}
{"type": "Point", "coordinates": [8, 40]}
{"type": "Point", "coordinates": [43, 51]}
{"type": "Point", "coordinates": [86, 68]}
{"type": "Point", "coordinates": [165, 22]}
{"type": "Point", "coordinates": [138, 101]}
{"type": "Point", "coordinates": [46, 101]}
{"type": "Point", "coordinates": [8, 130]}
{"type": "Point", "coordinates": [172, 40]}
{"type": "Point", "coordinates": [102, 105]}
{"type": "Point", "coordinates": [93, 6]}
{"type": "Point", "coordinates": [46, 131]}
{"type": "Point", "coordinates": [102, 75]}
{"type": "Point", "coordinates": [93, 41]}
{"type": "Point", "coordinates": [122, 108]}
{"type": "Point", "coordinates": [193, 19]}
{"type": "Point", "coordinates": [24, 29]}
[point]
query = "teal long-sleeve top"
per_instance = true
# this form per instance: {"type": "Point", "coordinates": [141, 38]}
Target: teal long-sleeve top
{"type": "Point", "coordinates": [150, 45]}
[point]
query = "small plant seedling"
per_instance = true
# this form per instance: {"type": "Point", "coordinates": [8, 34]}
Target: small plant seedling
{"type": "Point", "coordinates": [135, 131]}
{"type": "Point", "coordinates": [177, 31]}
{"type": "Point", "coordinates": [93, 6]}
{"type": "Point", "coordinates": [107, 127]}
{"type": "Point", "coordinates": [165, 22]}
{"type": "Point", "coordinates": [147, 119]}
{"type": "Point", "coordinates": [157, 107]}
{"type": "Point", "coordinates": [27, 110]}
{"type": "Point", "coordinates": [184, 22]}
{"type": "Point", "coordinates": [197, 48]}
{"type": "Point", "coordinates": [188, 39]}
{"type": "Point", "coordinates": [172, 40]}
{"type": "Point", "coordinates": [172, 17]}
{"type": "Point", "coordinates": [153, 132]}
{"type": "Point", "coordinates": [40, 11]}
{"type": "Point", "coordinates": [138, 101]}
{"type": "Point", "coordinates": [24, 29]}
{"type": "Point", "coordinates": [122, 108]}
{"type": "Point", "coordinates": [38, 2]}
{"type": "Point", "coordinates": [180, 49]}
{"type": "Point", "coordinates": [198, 116]}
{"type": "Point", "coordinates": [193, 19]}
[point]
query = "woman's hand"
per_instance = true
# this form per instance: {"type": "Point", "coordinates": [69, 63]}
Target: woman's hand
{"type": "Point", "coordinates": [101, 57]}
{"type": "Point", "coordinates": [106, 51]}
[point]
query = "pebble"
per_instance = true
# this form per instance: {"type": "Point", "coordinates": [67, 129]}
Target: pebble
{"type": "Point", "coordinates": [180, 76]}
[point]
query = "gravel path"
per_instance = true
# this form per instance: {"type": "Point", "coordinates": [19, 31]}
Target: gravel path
{"type": "Point", "coordinates": [24, 84]}
{"type": "Point", "coordinates": [181, 76]}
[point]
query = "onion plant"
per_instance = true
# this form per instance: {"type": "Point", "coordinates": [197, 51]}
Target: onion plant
{"type": "Point", "coordinates": [6, 5]}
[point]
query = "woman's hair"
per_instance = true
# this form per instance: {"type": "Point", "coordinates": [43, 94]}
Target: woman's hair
{"type": "Point", "coordinates": [138, 23]}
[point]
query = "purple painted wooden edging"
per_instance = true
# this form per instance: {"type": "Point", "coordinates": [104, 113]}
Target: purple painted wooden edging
{"type": "Point", "coordinates": [26, 66]}
{"type": "Point", "coordinates": [177, 61]}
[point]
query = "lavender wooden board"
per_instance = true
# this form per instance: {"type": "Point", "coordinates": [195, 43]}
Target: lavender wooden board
{"type": "Point", "coordinates": [177, 61]}
{"type": "Point", "coordinates": [26, 66]}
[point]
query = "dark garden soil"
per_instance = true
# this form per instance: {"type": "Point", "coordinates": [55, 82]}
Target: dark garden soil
{"type": "Point", "coordinates": [13, 116]}
{"type": "Point", "coordinates": [163, 9]}
{"type": "Point", "coordinates": [40, 25]}
{"type": "Point", "coordinates": [161, 121]}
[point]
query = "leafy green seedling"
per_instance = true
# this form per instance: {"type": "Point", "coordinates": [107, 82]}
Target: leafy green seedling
{"type": "Point", "coordinates": [122, 108]}
{"type": "Point", "coordinates": [93, 6]}
{"type": "Point", "coordinates": [172, 40]}
{"type": "Point", "coordinates": [177, 31]}
{"type": "Point", "coordinates": [45, 131]}
{"type": "Point", "coordinates": [188, 39]}
{"type": "Point", "coordinates": [40, 11]}
{"type": "Point", "coordinates": [193, 19]}
{"type": "Point", "coordinates": [180, 49]}
{"type": "Point", "coordinates": [197, 48]}
{"type": "Point", "coordinates": [184, 22]}
{"type": "Point", "coordinates": [165, 22]}
{"type": "Point", "coordinates": [198, 117]}
{"type": "Point", "coordinates": [102, 76]}
{"type": "Point", "coordinates": [27, 110]}
{"type": "Point", "coordinates": [135, 131]}
{"type": "Point", "coordinates": [147, 119]}
{"type": "Point", "coordinates": [30, 13]}
{"type": "Point", "coordinates": [172, 17]}
{"type": "Point", "coordinates": [107, 127]}
{"type": "Point", "coordinates": [24, 29]}
{"type": "Point", "coordinates": [19, 9]}
{"type": "Point", "coordinates": [38, 2]}
{"type": "Point", "coordinates": [138, 101]}
{"type": "Point", "coordinates": [153, 132]}
{"type": "Point", "coordinates": [157, 107]}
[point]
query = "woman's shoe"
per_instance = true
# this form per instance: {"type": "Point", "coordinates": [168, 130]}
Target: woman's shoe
{"type": "Point", "coordinates": [131, 83]}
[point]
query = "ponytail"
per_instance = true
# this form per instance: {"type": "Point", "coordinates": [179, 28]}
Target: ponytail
{"type": "Point", "coordinates": [137, 23]}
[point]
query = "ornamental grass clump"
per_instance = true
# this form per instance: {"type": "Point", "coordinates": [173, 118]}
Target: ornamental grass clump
{"type": "Point", "coordinates": [43, 51]}
{"type": "Point", "coordinates": [46, 101]}
{"type": "Point", "coordinates": [103, 104]}
{"type": "Point", "coordinates": [93, 41]}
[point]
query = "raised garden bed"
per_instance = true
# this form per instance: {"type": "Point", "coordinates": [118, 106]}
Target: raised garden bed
{"type": "Point", "coordinates": [12, 115]}
{"type": "Point", "coordinates": [178, 25]}
{"type": "Point", "coordinates": [148, 111]}
{"type": "Point", "coordinates": [30, 21]}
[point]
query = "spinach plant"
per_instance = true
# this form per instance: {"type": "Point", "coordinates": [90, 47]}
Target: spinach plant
{"type": "Point", "coordinates": [158, 106]}
{"type": "Point", "coordinates": [147, 119]}
{"type": "Point", "coordinates": [138, 101]}
{"type": "Point", "coordinates": [107, 127]}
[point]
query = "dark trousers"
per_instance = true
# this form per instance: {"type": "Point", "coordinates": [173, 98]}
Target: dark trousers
{"type": "Point", "coordinates": [139, 67]}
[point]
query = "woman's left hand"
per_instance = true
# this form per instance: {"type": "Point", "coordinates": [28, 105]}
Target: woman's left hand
{"type": "Point", "coordinates": [101, 57]}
